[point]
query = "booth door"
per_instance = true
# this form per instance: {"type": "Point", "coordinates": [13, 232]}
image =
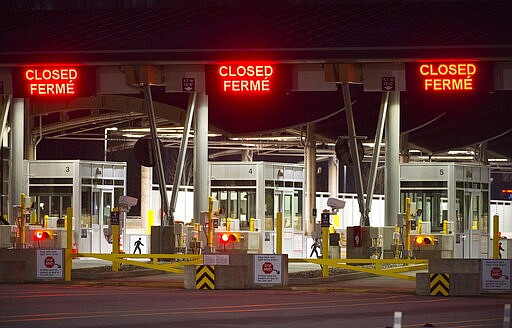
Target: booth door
{"type": "Point", "coordinates": [293, 236]}
{"type": "Point", "coordinates": [474, 217]}
{"type": "Point", "coordinates": [102, 202]}
{"type": "Point", "coordinates": [469, 243]}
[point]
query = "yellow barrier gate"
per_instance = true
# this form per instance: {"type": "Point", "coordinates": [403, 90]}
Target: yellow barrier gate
{"type": "Point", "coordinates": [401, 265]}
{"type": "Point", "coordinates": [175, 266]}
{"type": "Point", "coordinates": [384, 267]}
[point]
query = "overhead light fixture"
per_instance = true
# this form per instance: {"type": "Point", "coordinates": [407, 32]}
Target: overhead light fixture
{"type": "Point", "coordinates": [372, 144]}
{"type": "Point", "coordinates": [461, 152]}
{"type": "Point", "coordinates": [446, 158]}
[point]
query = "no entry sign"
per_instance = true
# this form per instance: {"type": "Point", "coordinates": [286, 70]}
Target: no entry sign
{"type": "Point", "coordinates": [267, 269]}
{"type": "Point", "coordinates": [50, 264]}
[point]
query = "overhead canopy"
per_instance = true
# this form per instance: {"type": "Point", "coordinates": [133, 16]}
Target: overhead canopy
{"type": "Point", "coordinates": [288, 32]}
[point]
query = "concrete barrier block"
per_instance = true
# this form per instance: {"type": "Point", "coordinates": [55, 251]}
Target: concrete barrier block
{"type": "Point", "coordinates": [240, 271]}
{"type": "Point", "coordinates": [12, 260]}
{"type": "Point", "coordinates": [465, 284]}
{"type": "Point", "coordinates": [230, 277]}
{"type": "Point", "coordinates": [423, 284]}
{"type": "Point", "coordinates": [189, 277]}
{"type": "Point", "coordinates": [12, 271]}
{"type": "Point", "coordinates": [454, 265]}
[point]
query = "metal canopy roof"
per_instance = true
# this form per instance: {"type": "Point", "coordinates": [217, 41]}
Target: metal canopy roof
{"type": "Point", "coordinates": [291, 32]}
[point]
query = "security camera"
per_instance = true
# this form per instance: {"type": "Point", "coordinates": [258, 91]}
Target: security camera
{"type": "Point", "coordinates": [127, 201]}
{"type": "Point", "coordinates": [335, 203]}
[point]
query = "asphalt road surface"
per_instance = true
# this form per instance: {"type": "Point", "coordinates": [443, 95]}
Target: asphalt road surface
{"type": "Point", "coordinates": [60, 305]}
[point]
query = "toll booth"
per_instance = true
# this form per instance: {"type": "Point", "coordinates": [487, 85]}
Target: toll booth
{"type": "Point", "coordinates": [450, 206]}
{"type": "Point", "coordinates": [250, 194]}
{"type": "Point", "coordinates": [92, 189]}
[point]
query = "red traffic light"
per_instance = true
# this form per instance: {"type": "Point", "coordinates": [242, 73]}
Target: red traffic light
{"type": "Point", "coordinates": [424, 240]}
{"type": "Point", "coordinates": [42, 235]}
{"type": "Point", "coordinates": [228, 238]}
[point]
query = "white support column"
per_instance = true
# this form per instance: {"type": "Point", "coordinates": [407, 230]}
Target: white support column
{"type": "Point", "coordinates": [334, 177]}
{"type": "Point", "coordinates": [392, 171]}
{"type": "Point", "coordinates": [17, 184]}
{"type": "Point", "coordinates": [146, 183]}
{"type": "Point", "coordinates": [28, 140]}
{"type": "Point", "coordinates": [201, 186]}
{"type": "Point", "coordinates": [310, 161]}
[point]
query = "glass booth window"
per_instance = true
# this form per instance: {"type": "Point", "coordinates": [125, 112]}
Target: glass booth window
{"type": "Point", "coordinates": [243, 208]}
{"type": "Point", "coordinates": [95, 213]}
{"type": "Point", "coordinates": [51, 205]}
{"type": "Point", "coordinates": [107, 207]}
{"type": "Point", "coordinates": [223, 202]}
{"type": "Point", "coordinates": [55, 206]}
{"type": "Point", "coordinates": [475, 211]}
{"type": "Point", "coordinates": [287, 211]}
{"type": "Point", "coordinates": [118, 192]}
{"type": "Point", "coordinates": [85, 219]}
{"type": "Point", "coordinates": [269, 209]}
{"type": "Point", "coordinates": [232, 208]}
{"type": "Point", "coordinates": [297, 205]}
{"type": "Point", "coordinates": [484, 224]}
{"type": "Point", "coordinates": [459, 210]}
{"type": "Point", "coordinates": [43, 208]}
{"type": "Point", "coordinates": [251, 204]}
{"type": "Point", "coordinates": [433, 205]}
{"type": "Point", "coordinates": [237, 204]}
{"type": "Point", "coordinates": [472, 208]}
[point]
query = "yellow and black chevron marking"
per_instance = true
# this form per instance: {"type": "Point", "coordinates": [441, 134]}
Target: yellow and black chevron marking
{"type": "Point", "coordinates": [440, 284]}
{"type": "Point", "coordinates": [205, 277]}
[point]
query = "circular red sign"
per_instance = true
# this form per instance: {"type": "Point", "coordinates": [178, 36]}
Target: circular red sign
{"type": "Point", "coordinates": [49, 262]}
{"type": "Point", "coordinates": [496, 273]}
{"type": "Point", "coordinates": [267, 267]}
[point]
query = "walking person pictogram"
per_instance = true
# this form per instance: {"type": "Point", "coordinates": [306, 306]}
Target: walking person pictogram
{"type": "Point", "coordinates": [314, 248]}
{"type": "Point", "coordinates": [137, 245]}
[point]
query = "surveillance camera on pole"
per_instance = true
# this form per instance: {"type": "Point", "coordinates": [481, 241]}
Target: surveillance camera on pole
{"type": "Point", "coordinates": [335, 203]}
{"type": "Point", "coordinates": [126, 202]}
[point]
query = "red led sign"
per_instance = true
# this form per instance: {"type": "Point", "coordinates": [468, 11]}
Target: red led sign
{"type": "Point", "coordinates": [448, 76]}
{"type": "Point", "coordinates": [246, 78]}
{"type": "Point", "coordinates": [51, 81]}
{"type": "Point", "coordinates": [54, 81]}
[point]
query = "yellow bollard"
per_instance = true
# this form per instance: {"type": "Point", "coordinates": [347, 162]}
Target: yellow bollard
{"type": "Point", "coordinates": [114, 219]}
{"type": "Point", "coordinates": [228, 224]}
{"type": "Point", "coordinates": [251, 224]}
{"type": "Point", "coordinates": [22, 219]}
{"type": "Point", "coordinates": [151, 221]}
{"type": "Point", "coordinates": [336, 220]}
{"type": "Point", "coordinates": [445, 227]}
{"type": "Point", "coordinates": [325, 251]}
{"type": "Point", "coordinates": [495, 237]}
{"type": "Point", "coordinates": [210, 225]}
{"type": "Point", "coordinates": [69, 243]}
{"type": "Point", "coordinates": [420, 224]}
{"type": "Point", "coordinates": [408, 227]}
{"type": "Point", "coordinates": [396, 241]}
{"type": "Point", "coordinates": [279, 233]}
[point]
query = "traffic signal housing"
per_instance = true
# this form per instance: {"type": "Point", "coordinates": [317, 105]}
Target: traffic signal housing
{"type": "Point", "coordinates": [229, 237]}
{"type": "Point", "coordinates": [41, 235]}
{"type": "Point", "coordinates": [423, 240]}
